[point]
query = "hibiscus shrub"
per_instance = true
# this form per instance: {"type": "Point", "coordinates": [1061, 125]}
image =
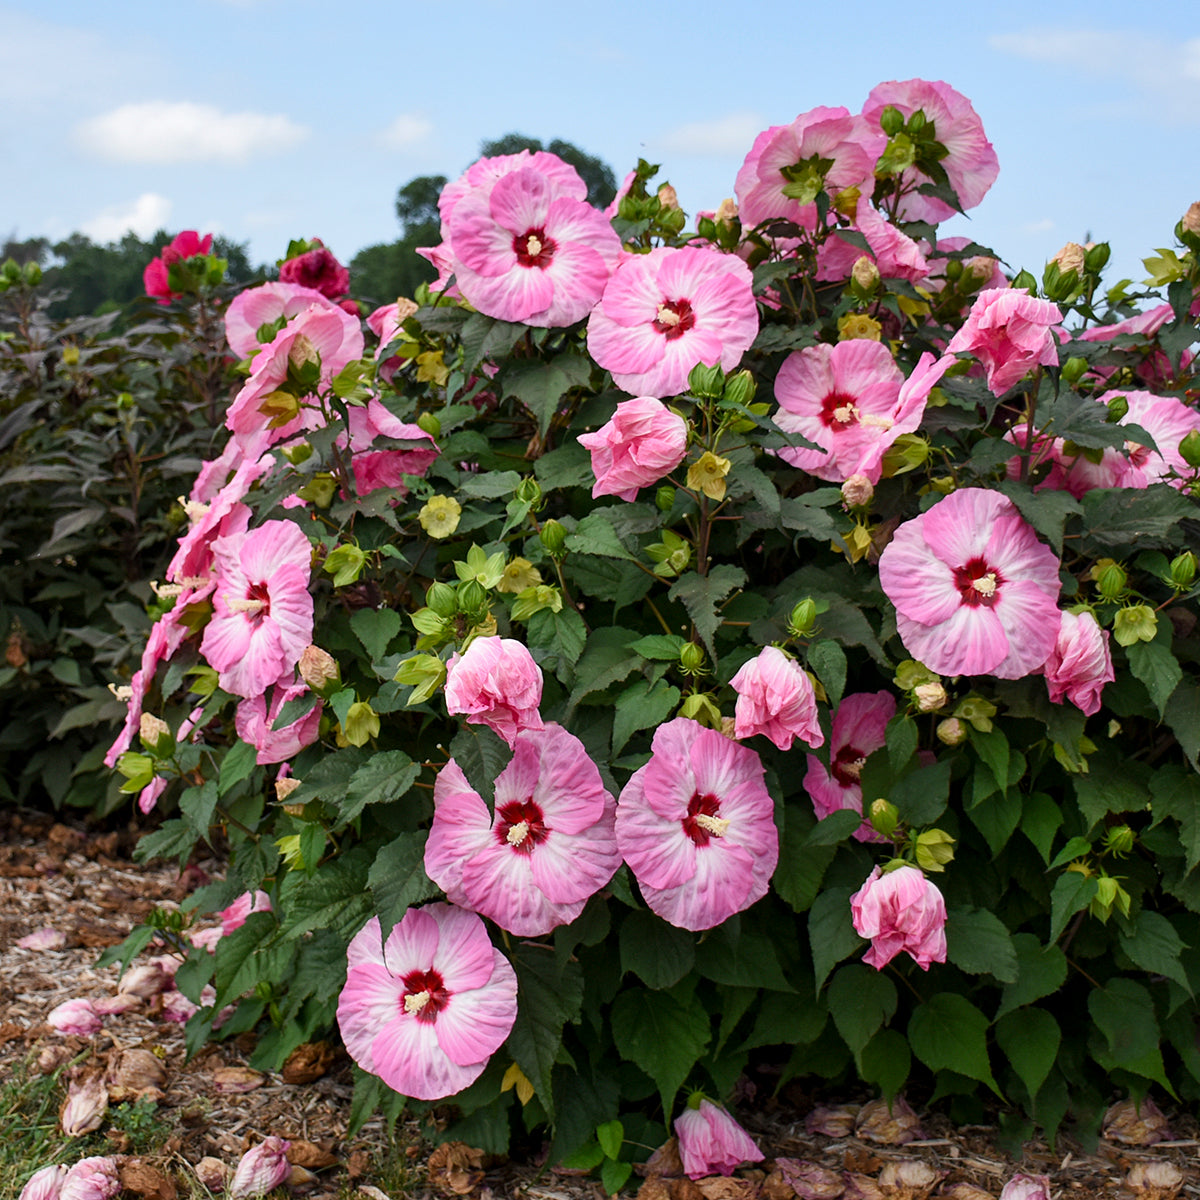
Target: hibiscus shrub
{"type": "Point", "coordinates": [662, 652]}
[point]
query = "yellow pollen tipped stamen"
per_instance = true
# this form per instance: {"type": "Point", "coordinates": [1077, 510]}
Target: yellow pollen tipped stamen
{"type": "Point", "coordinates": [985, 585]}
{"type": "Point", "coordinates": [236, 604]}
{"type": "Point", "coordinates": [194, 509]}
{"type": "Point", "coordinates": [845, 413]}
{"type": "Point", "coordinates": [714, 825]}
{"type": "Point", "coordinates": [416, 1002]}
{"type": "Point", "coordinates": [517, 833]}
{"type": "Point", "coordinates": [666, 316]}
{"type": "Point", "coordinates": [854, 767]}
{"type": "Point", "coordinates": [878, 422]}
{"type": "Point", "coordinates": [533, 247]}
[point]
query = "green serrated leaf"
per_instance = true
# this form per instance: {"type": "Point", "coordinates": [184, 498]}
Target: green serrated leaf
{"type": "Point", "coordinates": [1030, 1040]}
{"type": "Point", "coordinates": [1041, 970]}
{"type": "Point", "coordinates": [861, 1000]}
{"type": "Point", "coordinates": [948, 1033]}
{"type": "Point", "coordinates": [1072, 893]}
{"type": "Point", "coordinates": [901, 741]}
{"type": "Point", "coordinates": [831, 933]}
{"type": "Point", "coordinates": [886, 1060]}
{"type": "Point", "coordinates": [611, 1135]}
{"type": "Point", "coordinates": [701, 596]}
{"type": "Point", "coordinates": [381, 779]}
{"type": "Point", "coordinates": [979, 943]}
{"type": "Point", "coordinates": [1151, 942]}
{"type": "Point", "coordinates": [239, 761]}
{"type": "Point", "coordinates": [658, 953]}
{"type": "Point", "coordinates": [397, 878]}
{"type": "Point", "coordinates": [1157, 668]}
{"type": "Point", "coordinates": [375, 628]}
{"type": "Point", "coordinates": [828, 660]}
{"type": "Point", "coordinates": [642, 705]}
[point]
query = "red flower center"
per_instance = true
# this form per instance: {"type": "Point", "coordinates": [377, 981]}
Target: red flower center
{"type": "Point", "coordinates": [521, 825]}
{"type": "Point", "coordinates": [702, 821]}
{"type": "Point", "coordinates": [675, 318]}
{"type": "Point", "coordinates": [258, 592]}
{"type": "Point", "coordinates": [978, 583]}
{"type": "Point", "coordinates": [838, 411]}
{"type": "Point", "coordinates": [847, 765]}
{"type": "Point", "coordinates": [425, 995]}
{"type": "Point", "coordinates": [534, 248]}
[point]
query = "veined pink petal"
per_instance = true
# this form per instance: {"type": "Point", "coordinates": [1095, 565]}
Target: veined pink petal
{"type": "Point", "coordinates": [476, 1023]}
{"type": "Point", "coordinates": [409, 1058]}
{"type": "Point", "coordinates": [465, 957]}
{"type": "Point", "coordinates": [971, 641]}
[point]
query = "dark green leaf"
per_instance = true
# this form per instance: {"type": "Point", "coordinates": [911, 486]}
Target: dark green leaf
{"type": "Point", "coordinates": [949, 1033]}
{"type": "Point", "coordinates": [239, 761]}
{"type": "Point", "coordinates": [1176, 793]}
{"type": "Point", "coordinates": [828, 660]}
{"type": "Point", "coordinates": [921, 795]}
{"type": "Point", "coordinates": [830, 931]}
{"type": "Point", "coordinates": [658, 953]}
{"type": "Point", "coordinates": [482, 755]}
{"type": "Point", "coordinates": [1151, 942]}
{"type": "Point", "coordinates": [739, 955]}
{"type": "Point", "coordinates": [662, 1036]}
{"type": "Point", "coordinates": [886, 1060]}
{"type": "Point", "coordinates": [702, 595]}
{"type": "Point", "coordinates": [641, 706]}
{"type": "Point", "coordinates": [1116, 518]}
{"type": "Point", "coordinates": [397, 878]}
{"type": "Point", "coordinates": [1072, 892]}
{"type": "Point", "coordinates": [979, 943]}
{"type": "Point", "coordinates": [861, 1000]}
{"type": "Point", "coordinates": [1041, 970]}
{"type": "Point", "coordinates": [901, 742]}
{"type": "Point", "coordinates": [1041, 819]}
{"type": "Point", "coordinates": [1157, 668]}
{"type": "Point", "coordinates": [1030, 1040]}
{"type": "Point", "coordinates": [382, 778]}
{"type": "Point", "coordinates": [1124, 1012]}
{"type": "Point", "coordinates": [375, 628]}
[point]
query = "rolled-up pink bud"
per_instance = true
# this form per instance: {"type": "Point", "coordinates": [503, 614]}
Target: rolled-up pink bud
{"type": "Point", "coordinates": [261, 1169]}
{"type": "Point", "coordinates": [75, 1016]}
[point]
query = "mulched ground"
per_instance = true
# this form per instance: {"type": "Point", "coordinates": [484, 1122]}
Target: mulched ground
{"type": "Point", "coordinates": [87, 886]}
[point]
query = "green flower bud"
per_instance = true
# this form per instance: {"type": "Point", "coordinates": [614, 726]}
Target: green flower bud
{"type": "Point", "coordinates": [301, 452]}
{"type": "Point", "coordinates": [706, 383]}
{"type": "Point", "coordinates": [664, 498]}
{"type": "Point", "coordinates": [1097, 257]}
{"type": "Point", "coordinates": [442, 598]}
{"type": "Point", "coordinates": [553, 535]}
{"type": "Point", "coordinates": [934, 849]}
{"type": "Point", "coordinates": [803, 618]}
{"type": "Point", "coordinates": [885, 816]}
{"type": "Point", "coordinates": [1110, 579]}
{"type": "Point", "coordinates": [430, 424]}
{"type": "Point", "coordinates": [1026, 280]}
{"type": "Point", "coordinates": [1073, 369]}
{"type": "Point", "coordinates": [954, 270]}
{"type": "Point", "coordinates": [1190, 448]}
{"type": "Point", "coordinates": [1183, 570]}
{"type": "Point", "coordinates": [1118, 406]}
{"type": "Point", "coordinates": [529, 492]}
{"type": "Point", "coordinates": [472, 596]}
{"type": "Point", "coordinates": [1119, 840]}
{"type": "Point", "coordinates": [691, 658]}
{"type": "Point", "coordinates": [700, 708]}
{"type": "Point", "coordinates": [951, 732]}
{"type": "Point", "coordinates": [1135, 624]}
{"type": "Point", "coordinates": [33, 274]}
{"type": "Point", "coordinates": [891, 120]}
{"type": "Point", "coordinates": [11, 271]}
{"type": "Point", "coordinates": [740, 388]}
{"type": "Point", "coordinates": [362, 724]}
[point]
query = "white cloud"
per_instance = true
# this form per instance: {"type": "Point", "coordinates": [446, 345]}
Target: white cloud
{"type": "Point", "coordinates": [1163, 74]}
{"type": "Point", "coordinates": [164, 132]}
{"type": "Point", "coordinates": [1042, 226]}
{"type": "Point", "coordinates": [406, 130]}
{"type": "Point", "coordinates": [732, 134]}
{"type": "Point", "coordinates": [148, 213]}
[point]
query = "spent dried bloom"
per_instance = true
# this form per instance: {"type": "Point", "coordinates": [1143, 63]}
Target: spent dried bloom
{"type": "Point", "coordinates": [84, 1108]}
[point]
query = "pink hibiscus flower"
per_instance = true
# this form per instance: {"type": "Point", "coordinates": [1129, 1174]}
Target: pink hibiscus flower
{"type": "Point", "coordinates": [975, 592]}
{"type": "Point", "coordinates": [266, 308]}
{"type": "Point", "coordinates": [255, 723]}
{"type": "Point", "coordinates": [666, 311]}
{"type": "Point", "coordinates": [386, 468]}
{"type": "Point", "coordinates": [317, 269]}
{"type": "Point", "coordinates": [970, 164]}
{"type": "Point", "coordinates": [642, 442]}
{"type": "Point", "coordinates": [262, 608]}
{"type": "Point", "coordinates": [525, 253]}
{"type": "Point", "coordinates": [852, 400]}
{"type": "Point", "coordinates": [156, 276]}
{"type": "Point", "coordinates": [900, 911]}
{"type": "Point", "coordinates": [825, 149]}
{"type": "Point", "coordinates": [696, 826]}
{"type": "Point", "coordinates": [711, 1142]}
{"type": "Point", "coordinates": [859, 729]}
{"type": "Point", "coordinates": [1009, 332]}
{"type": "Point", "coordinates": [896, 255]}
{"type": "Point", "coordinates": [549, 845]}
{"type": "Point", "coordinates": [426, 1009]}
{"type": "Point", "coordinates": [1080, 664]}
{"type": "Point", "coordinates": [776, 699]}
{"type": "Point", "coordinates": [495, 682]}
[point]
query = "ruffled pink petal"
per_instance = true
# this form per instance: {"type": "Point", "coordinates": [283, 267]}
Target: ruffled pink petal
{"type": "Point", "coordinates": [475, 1024]}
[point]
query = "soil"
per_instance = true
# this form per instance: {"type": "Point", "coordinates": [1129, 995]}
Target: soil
{"type": "Point", "coordinates": [86, 885]}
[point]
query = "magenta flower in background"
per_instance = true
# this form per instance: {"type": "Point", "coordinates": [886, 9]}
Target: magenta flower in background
{"type": "Point", "coordinates": [45, 1184]}
{"type": "Point", "coordinates": [643, 441]}
{"type": "Point", "coordinates": [825, 149]}
{"type": "Point", "coordinates": [524, 253]}
{"type": "Point", "coordinates": [74, 1017]}
{"type": "Point", "coordinates": [317, 269]}
{"type": "Point", "coordinates": [859, 729]}
{"type": "Point", "coordinates": [971, 164]}
{"type": "Point", "coordinates": [261, 1169]}
{"type": "Point", "coordinates": [776, 699]}
{"type": "Point", "coordinates": [255, 721]}
{"type": "Point", "coordinates": [853, 401]}
{"type": "Point", "coordinates": [386, 468]}
{"type": "Point", "coordinates": [495, 682]}
{"type": "Point", "coordinates": [666, 311]}
{"type": "Point", "coordinates": [270, 305]}
{"type": "Point", "coordinates": [94, 1178]}
{"type": "Point", "coordinates": [1080, 664]}
{"type": "Point", "coordinates": [900, 910]}
{"type": "Point", "coordinates": [711, 1142]}
{"type": "Point", "coordinates": [156, 276]}
{"type": "Point", "coordinates": [975, 592]}
{"type": "Point", "coordinates": [427, 1009]}
{"type": "Point", "coordinates": [262, 609]}
{"type": "Point", "coordinates": [696, 825]}
{"type": "Point", "coordinates": [549, 845]}
{"type": "Point", "coordinates": [1009, 332]}
{"type": "Point", "coordinates": [896, 254]}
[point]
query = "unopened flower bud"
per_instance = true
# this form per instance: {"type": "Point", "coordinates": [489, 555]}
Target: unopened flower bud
{"type": "Point", "coordinates": [1189, 448]}
{"type": "Point", "coordinates": [430, 424]}
{"type": "Point", "coordinates": [471, 596]}
{"type": "Point", "coordinates": [857, 492]}
{"type": "Point", "coordinates": [261, 1169]}
{"type": "Point", "coordinates": [1183, 570]}
{"type": "Point", "coordinates": [664, 498]}
{"type": "Point", "coordinates": [1118, 407]}
{"type": "Point", "coordinates": [951, 732]}
{"type": "Point", "coordinates": [740, 388]}
{"type": "Point", "coordinates": [885, 816]}
{"type": "Point", "coordinates": [442, 598]}
{"type": "Point", "coordinates": [84, 1108]}
{"type": "Point", "coordinates": [891, 120]}
{"type": "Point", "coordinates": [803, 618]}
{"type": "Point", "coordinates": [930, 697]}
{"type": "Point", "coordinates": [706, 383]}
{"type": "Point", "coordinates": [1096, 257]}
{"type": "Point", "coordinates": [151, 729]}
{"type": "Point", "coordinates": [1070, 258]}
{"type": "Point", "coordinates": [45, 1184]}
{"type": "Point", "coordinates": [668, 197]}
{"type": "Point", "coordinates": [1073, 369]}
{"type": "Point", "coordinates": [362, 724]}
{"type": "Point", "coordinates": [865, 274]}
{"type": "Point", "coordinates": [691, 658]}
{"type": "Point", "coordinates": [1137, 623]}
{"type": "Point", "coordinates": [727, 210]}
{"type": "Point", "coordinates": [701, 709]}
{"type": "Point", "coordinates": [935, 848]}
{"type": "Point", "coordinates": [318, 668]}
{"type": "Point", "coordinates": [1110, 578]}
{"type": "Point", "coordinates": [553, 536]}
{"type": "Point", "coordinates": [529, 492]}
{"type": "Point", "coordinates": [1119, 840]}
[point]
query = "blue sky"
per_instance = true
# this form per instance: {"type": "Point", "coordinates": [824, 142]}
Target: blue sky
{"type": "Point", "coordinates": [272, 119]}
